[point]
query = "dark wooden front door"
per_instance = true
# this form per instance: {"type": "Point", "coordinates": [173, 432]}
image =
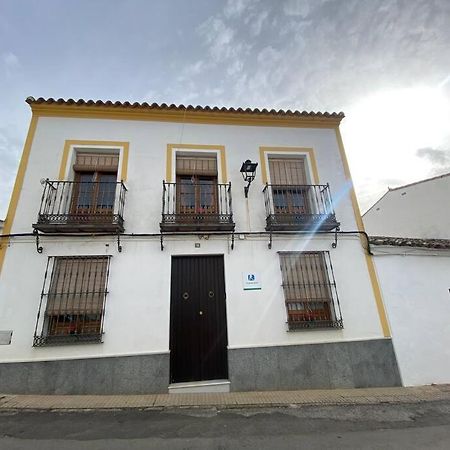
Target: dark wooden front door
{"type": "Point", "coordinates": [198, 326]}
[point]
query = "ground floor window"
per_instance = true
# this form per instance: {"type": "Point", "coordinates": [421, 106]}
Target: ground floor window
{"type": "Point", "coordinates": [310, 290]}
{"type": "Point", "coordinates": [73, 298]}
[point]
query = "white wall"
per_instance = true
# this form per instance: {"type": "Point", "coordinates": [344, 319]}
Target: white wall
{"type": "Point", "coordinates": [418, 211]}
{"type": "Point", "coordinates": [137, 310]}
{"type": "Point", "coordinates": [147, 164]}
{"type": "Point", "coordinates": [415, 289]}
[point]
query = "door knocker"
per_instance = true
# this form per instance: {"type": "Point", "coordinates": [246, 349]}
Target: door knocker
{"type": "Point", "coordinates": [210, 294]}
{"type": "Point", "coordinates": [185, 295]}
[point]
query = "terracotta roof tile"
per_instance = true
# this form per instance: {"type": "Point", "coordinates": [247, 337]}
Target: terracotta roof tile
{"type": "Point", "coordinates": [410, 242]}
{"type": "Point", "coordinates": [165, 106]}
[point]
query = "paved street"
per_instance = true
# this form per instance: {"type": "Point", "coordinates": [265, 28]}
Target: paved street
{"type": "Point", "coordinates": [377, 426]}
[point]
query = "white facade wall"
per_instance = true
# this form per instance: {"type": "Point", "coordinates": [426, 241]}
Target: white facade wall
{"type": "Point", "coordinates": [137, 307]}
{"type": "Point", "coordinates": [416, 291]}
{"type": "Point", "coordinates": [421, 210]}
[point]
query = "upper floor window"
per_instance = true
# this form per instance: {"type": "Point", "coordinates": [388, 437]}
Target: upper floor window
{"type": "Point", "coordinates": [197, 185]}
{"type": "Point", "coordinates": [95, 182]}
{"type": "Point", "coordinates": [92, 200]}
{"type": "Point", "coordinates": [289, 185]}
{"type": "Point", "coordinates": [196, 201]}
{"type": "Point", "coordinates": [292, 201]}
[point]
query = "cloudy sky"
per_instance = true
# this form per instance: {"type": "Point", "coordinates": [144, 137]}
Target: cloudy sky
{"type": "Point", "coordinates": [385, 63]}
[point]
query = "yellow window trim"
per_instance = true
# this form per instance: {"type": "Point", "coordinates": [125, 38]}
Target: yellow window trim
{"type": "Point", "coordinates": [18, 184]}
{"type": "Point", "coordinates": [369, 261]}
{"type": "Point", "coordinates": [218, 148]}
{"type": "Point", "coordinates": [297, 150]}
{"type": "Point", "coordinates": [70, 143]}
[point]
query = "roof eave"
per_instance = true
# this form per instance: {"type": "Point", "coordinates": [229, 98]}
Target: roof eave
{"type": "Point", "coordinates": [181, 113]}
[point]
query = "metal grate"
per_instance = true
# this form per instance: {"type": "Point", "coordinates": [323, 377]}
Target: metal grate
{"type": "Point", "coordinates": [72, 303]}
{"type": "Point", "coordinates": [310, 290]}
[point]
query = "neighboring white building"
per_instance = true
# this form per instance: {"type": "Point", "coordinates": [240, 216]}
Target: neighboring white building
{"type": "Point", "coordinates": [134, 284]}
{"type": "Point", "coordinates": [414, 274]}
{"type": "Point", "coordinates": [416, 210]}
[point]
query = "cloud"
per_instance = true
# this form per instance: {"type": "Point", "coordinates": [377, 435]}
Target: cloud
{"type": "Point", "coordinates": [10, 59]}
{"type": "Point", "coordinates": [297, 8]}
{"type": "Point", "coordinates": [257, 22]}
{"type": "Point", "coordinates": [236, 8]}
{"type": "Point", "coordinates": [435, 156]}
{"type": "Point", "coordinates": [439, 159]}
{"type": "Point", "coordinates": [218, 36]}
{"type": "Point", "coordinates": [11, 64]}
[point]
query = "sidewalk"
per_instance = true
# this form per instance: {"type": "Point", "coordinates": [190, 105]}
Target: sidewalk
{"type": "Point", "coordinates": [229, 400]}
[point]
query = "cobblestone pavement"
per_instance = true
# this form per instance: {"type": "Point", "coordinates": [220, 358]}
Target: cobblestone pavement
{"type": "Point", "coordinates": [228, 400]}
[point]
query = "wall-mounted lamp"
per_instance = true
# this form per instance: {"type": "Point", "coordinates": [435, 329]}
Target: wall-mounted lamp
{"type": "Point", "coordinates": [248, 171]}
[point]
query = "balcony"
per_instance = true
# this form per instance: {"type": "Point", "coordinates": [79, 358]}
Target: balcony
{"type": "Point", "coordinates": [299, 208]}
{"type": "Point", "coordinates": [75, 206]}
{"type": "Point", "coordinates": [201, 206]}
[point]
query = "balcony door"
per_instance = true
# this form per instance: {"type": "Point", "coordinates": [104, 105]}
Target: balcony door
{"type": "Point", "coordinates": [94, 187]}
{"type": "Point", "coordinates": [94, 193]}
{"type": "Point", "coordinates": [196, 191]}
{"type": "Point", "coordinates": [197, 195]}
{"type": "Point", "coordinates": [290, 189]}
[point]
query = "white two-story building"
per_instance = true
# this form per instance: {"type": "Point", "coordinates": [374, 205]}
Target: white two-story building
{"type": "Point", "coordinates": [136, 259]}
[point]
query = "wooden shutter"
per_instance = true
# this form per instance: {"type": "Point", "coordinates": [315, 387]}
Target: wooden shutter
{"type": "Point", "coordinates": [284, 171]}
{"type": "Point", "coordinates": [78, 286]}
{"type": "Point", "coordinates": [305, 276]}
{"type": "Point", "coordinates": [196, 165]}
{"type": "Point", "coordinates": [307, 288]}
{"type": "Point", "coordinates": [104, 162]}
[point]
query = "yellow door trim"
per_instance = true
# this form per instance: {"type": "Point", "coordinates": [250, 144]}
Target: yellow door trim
{"type": "Point", "coordinates": [18, 184]}
{"type": "Point", "coordinates": [71, 142]}
{"type": "Point", "coordinates": [360, 225]}
{"type": "Point", "coordinates": [298, 150]}
{"type": "Point", "coordinates": [217, 148]}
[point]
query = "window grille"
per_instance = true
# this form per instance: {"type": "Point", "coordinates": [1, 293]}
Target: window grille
{"type": "Point", "coordinates": [310, 290]}
{"type": "Point", "coordinates": [72, 303]}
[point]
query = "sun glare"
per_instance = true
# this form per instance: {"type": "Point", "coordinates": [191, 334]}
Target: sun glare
{"type": "Point", "coordinates": [384, 131]}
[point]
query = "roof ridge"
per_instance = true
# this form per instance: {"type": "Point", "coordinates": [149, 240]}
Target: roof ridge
{"type": "Point", "coordinates": [420, 181]}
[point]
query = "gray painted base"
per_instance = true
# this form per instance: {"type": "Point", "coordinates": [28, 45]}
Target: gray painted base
{"type": "Point", "coordinates": [312, 366]}
{"type": "Point", "coordinates": [143, 374]}
{"type": "Point", "coordinates": [370, 363]}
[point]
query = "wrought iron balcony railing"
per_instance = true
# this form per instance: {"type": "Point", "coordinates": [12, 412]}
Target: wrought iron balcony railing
{"type": "Point", "coordinates": [200, 206]}
{"type": "Point", "coordinates": [74, 206]}
{"type": "Point", "coordinates": [299, 208]}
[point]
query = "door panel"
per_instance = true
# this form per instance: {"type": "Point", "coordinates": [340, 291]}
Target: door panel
{"type": "Point", "coordinates": [94, 193]}
{"type": "Point", "coordinates": [196, 195]}
{"type": "Point", "coordinates": [198, 331]}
